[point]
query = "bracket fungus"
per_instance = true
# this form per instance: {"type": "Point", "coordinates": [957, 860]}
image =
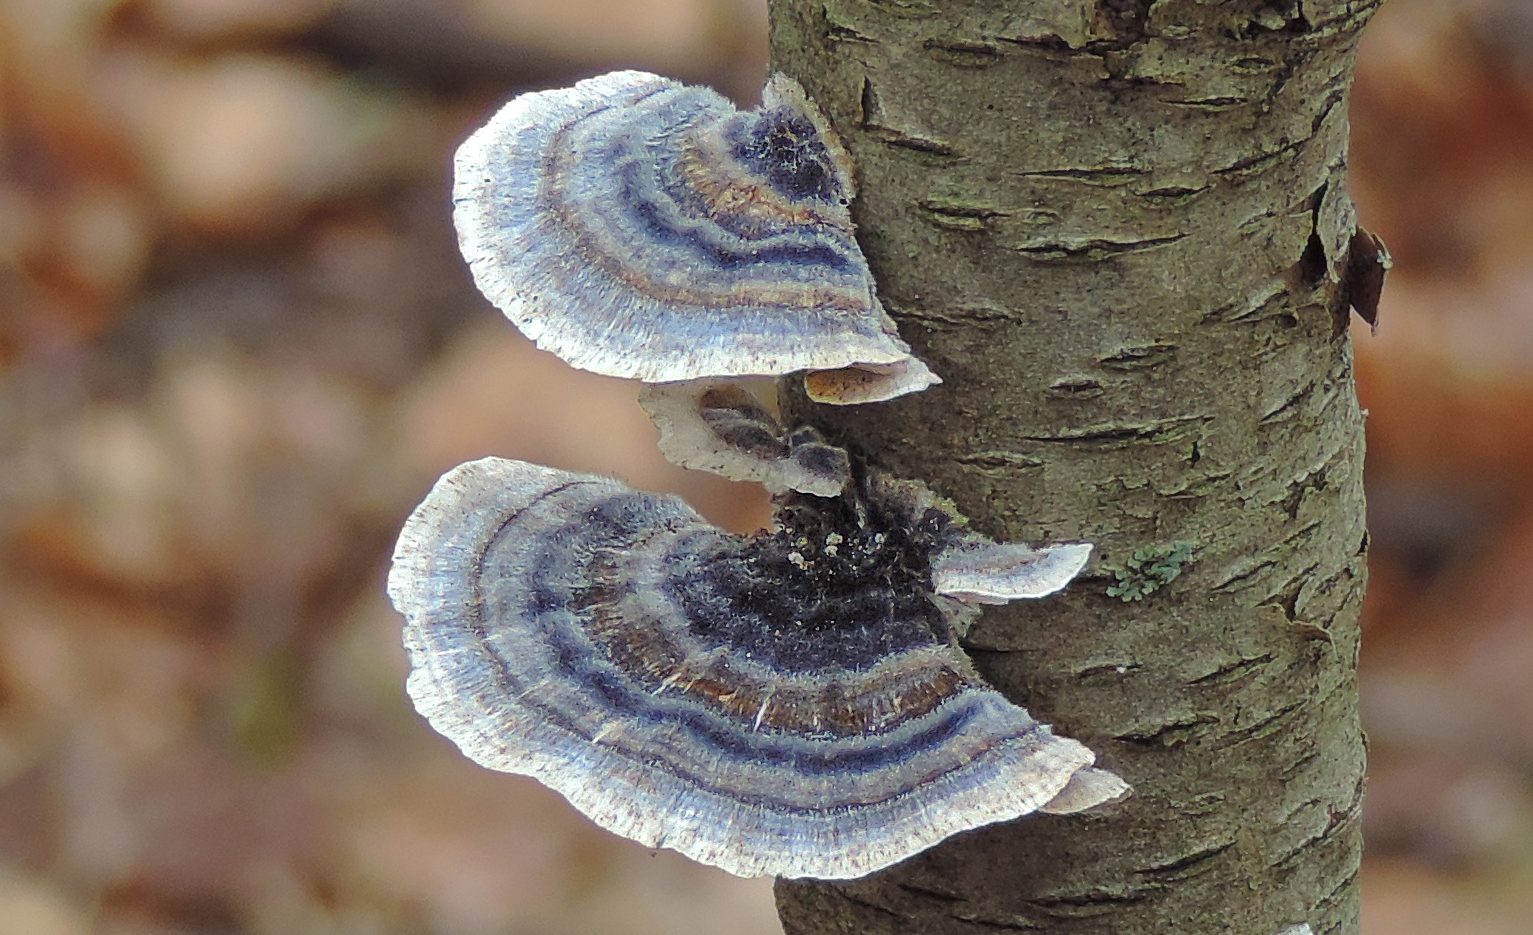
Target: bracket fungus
{"type": "Point", "coordinates": [641, 228]}
{"type": "Point", "coordinates": [1000, 572]}
{"type": "Point", "coordinates": [792, 703]}
{"type": "Point", "coordinates": [720, 427]}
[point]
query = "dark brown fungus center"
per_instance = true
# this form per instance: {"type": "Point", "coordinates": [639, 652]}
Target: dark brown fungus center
{"type": "Point", "coordinates": [836, 585]}
{"type": "Point", "coordinates": [782, 145]}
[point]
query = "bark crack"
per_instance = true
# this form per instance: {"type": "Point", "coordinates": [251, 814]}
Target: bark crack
{"type": "Point", "coordinates": [1169, 733]}
{"type": "Point", "coordinates": [995, 459]}
{"type": "Point", "coordinates": [956, 215]}
{"type": "Point", "coordinates": [1243, 574]}
{"type": "Point", "coordinates": [1092, 904]}
{"type": "Point", "coordinates": [1093, 248]}
{"type": "Point", "coordinates": [1337, 820]}
{"type": "Point", "coordinates": [1189, 865]}
{"type": "Point", "coordinates": [1232, 671]}
{"type": "Point", "coordinates": [1075, 387]}
{"type": "Point", "coordinates": [1139, 357]}
{"type": "Point", "coordinates": [1261, 727]}
{"type": "Point", "coordinates": [1267, 305]}
{"type": "Point", "coordinates": [963, 53]}
{"type": "Point", "coordinates": [1287, 407]}
{"type": "Point", "coordinates": [1019, 925]}
{"type": "Point", "coordinates": [840, 30]}
{"type": "Point", "coordinates": [958, 313]}
{"type": "Point", "coordinates": [1111, 670]}
{"type": "Point", "coordinates": [1298, 766]}
{"type": "Point", "coordinates": [1260, 161]}
{"type": "Point", "coordinates": [915, 889]}
{"type": "Point", "coordinates": [876, 120]}
{"type": "Point", "coordinates": [1107, 176]}
{"type": "Point", "coordinates": [1153, 431]}
{"type": "Point", "coordinates": [1215, 103]}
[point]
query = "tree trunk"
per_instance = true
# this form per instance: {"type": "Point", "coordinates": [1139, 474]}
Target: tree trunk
{"type": "Point", "coordinates": [1119, 231]}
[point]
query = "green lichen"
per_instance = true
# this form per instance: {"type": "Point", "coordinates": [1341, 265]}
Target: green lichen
{"type": "Point", "coordinates": [1148, 570]}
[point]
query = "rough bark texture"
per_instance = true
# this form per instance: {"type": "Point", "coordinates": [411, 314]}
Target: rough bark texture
{"type": "Point", "coordinates": [1118, 230]}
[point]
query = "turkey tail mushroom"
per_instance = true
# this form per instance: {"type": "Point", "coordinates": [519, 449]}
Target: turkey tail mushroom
{"type": "Point", "coordinates": [642, 228]}
{"type": "Point", "coordinates": [792, 703]}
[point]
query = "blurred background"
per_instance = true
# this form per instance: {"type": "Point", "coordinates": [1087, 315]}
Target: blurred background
{"type": "Point", "coordinates": [237, 345]}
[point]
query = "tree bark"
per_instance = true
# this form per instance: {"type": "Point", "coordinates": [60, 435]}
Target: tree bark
{"type": "Point", "coordinates": [1119, 231]}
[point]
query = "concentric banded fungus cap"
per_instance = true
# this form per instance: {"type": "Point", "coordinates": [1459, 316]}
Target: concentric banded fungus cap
{"type": "Point", "coordinates": [719, 427]}
{"type": "Point", "coordinates": [791, 704]}
{"type": "Point", "coordinates": [641, 228]}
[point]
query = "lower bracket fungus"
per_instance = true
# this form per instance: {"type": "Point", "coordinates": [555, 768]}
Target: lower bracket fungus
{"type": "Point", "coordinates": [642, 228]}
{"type": "Point", "coordinates": [792, 703]}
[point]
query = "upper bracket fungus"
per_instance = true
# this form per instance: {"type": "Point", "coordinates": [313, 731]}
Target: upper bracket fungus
{"type": "Point", "coordinates": [792, 703]}
{"type": "Point", "coordinates": [719, 427]}
{"type": "Point", "coordinates": [642, 228]}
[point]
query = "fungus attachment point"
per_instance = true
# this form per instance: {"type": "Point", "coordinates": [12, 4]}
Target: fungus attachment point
{"type": "Point", "coordinates": [719, 427]}
{"type": "Point", "coordinates": [641, 228]}
{"type": "Point", "coordinates": [968, 567]}
{"type": "Point", "coordinates": [793, 703]}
